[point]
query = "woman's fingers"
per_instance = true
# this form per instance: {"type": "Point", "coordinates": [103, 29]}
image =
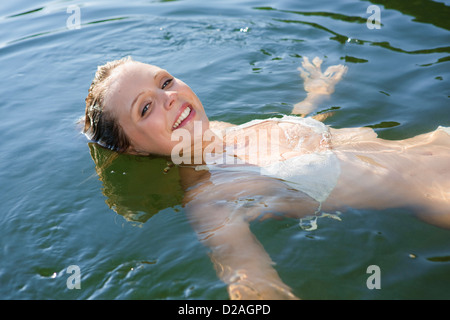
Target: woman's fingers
{"type": "Point", "coordinates": [303, 73]}
{"type": "Point", "coordinates": [335, 72]}
{"type": "Point", "coordinates": [317, 62]}
{"type": "Point", "coordinates": [312, 68]}
{"type": "Point", "coordinates": [318, 82]}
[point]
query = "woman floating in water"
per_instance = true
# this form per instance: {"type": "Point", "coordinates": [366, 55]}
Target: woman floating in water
{"type": "Point", "coordinates": [293, 166]}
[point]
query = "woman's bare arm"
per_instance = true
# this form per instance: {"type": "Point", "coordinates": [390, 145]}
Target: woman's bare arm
{"type": "Point", "coordinates": [220, 206]}
{"type": "Point", "coordinates": [318, 85]}
{"type": "Point", "coordinates": [242, 263]}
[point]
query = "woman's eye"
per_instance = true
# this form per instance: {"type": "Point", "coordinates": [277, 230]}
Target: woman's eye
{"type": "Point", "coordinates": [145, 109]}
{"type": "Point", "coordinates": [166, 83]}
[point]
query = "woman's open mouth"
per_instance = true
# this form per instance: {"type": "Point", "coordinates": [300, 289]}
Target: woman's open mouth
{"type": "Point", "coordinates": [187, 113]}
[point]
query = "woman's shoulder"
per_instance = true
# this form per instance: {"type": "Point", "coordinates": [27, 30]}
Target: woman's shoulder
{"type": "Point", "coordinates": [283, 118]}
{"type": "Point", "coordinates": [220, 126]}
{"type": "Point", "coordinates": [310, 123]}
{"type": "Point", "coordinates": [289, 120]}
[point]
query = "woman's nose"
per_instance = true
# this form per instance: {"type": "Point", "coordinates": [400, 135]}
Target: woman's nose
{"type": "Point", "coordinates": [171, 98]}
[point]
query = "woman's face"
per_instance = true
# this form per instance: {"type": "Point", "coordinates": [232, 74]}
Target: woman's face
{"type": "Point", "coordinates": [150, 105]}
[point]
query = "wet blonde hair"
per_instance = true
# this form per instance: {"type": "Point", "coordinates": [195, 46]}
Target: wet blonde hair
{"type": "Point", "coordinates": [99, 125]}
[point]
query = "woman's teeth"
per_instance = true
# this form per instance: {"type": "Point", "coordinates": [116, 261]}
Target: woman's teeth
{"type": "Point", "coordinates": [182, 116]}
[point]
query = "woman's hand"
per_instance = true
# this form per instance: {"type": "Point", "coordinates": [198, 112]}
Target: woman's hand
{"type": "Point", "coordinates": [318, 85]}
{"type": "Point", "coordinates": [318, 82]}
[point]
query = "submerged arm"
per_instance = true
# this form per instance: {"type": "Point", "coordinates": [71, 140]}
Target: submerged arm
{"type": "Point", "coordinates": [318, 85]}
{"type": "Point", "coordinates": [242, 263]}
{"type": "Point", "coordinates": [238, 257]}
{"type": "Point", "coordinates": [220, 207]}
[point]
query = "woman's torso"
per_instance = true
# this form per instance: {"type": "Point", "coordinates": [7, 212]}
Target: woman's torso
{"type": "Point", "coordinates": [296, 150]}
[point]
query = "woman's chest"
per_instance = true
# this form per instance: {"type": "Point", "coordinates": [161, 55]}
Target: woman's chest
{"type": "Point", "coordinates": [269, 142]}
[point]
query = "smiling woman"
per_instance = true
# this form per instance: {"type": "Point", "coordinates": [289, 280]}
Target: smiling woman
{"type": "Point", "coordinates": [240, 59]}
{"type": "Point", "coordinates": [148, 104]}
{"type": "Point", "coordinates": [310, 167]}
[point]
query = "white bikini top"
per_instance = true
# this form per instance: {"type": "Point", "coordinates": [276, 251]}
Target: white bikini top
{"type": "Point", "coordinates": [304, 159]}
